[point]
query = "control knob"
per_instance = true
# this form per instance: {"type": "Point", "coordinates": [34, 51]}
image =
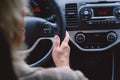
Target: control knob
{"type": "Point", "coordinates": [80, 38]}
{"type": "Point", "coordinates": [117, 12]}
{"type": "Point", "coordinates": [85, 14]}
{"type": "Point", "coordinates": [111, 37]}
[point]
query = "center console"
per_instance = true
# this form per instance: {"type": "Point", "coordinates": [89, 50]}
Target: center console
{"type": "Point", "coordinates": [93, 26]}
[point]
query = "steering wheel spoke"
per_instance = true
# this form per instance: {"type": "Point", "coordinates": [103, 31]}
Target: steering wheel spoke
{"type": "Point", "coordinates": [38, 28]}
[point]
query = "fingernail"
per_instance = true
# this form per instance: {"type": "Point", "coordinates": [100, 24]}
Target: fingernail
{"type": "Point", "coordinates": [56, 37]}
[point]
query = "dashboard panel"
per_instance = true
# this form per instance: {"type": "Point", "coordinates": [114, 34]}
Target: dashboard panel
{"type": "Point", "coordinates": [41, 8]}
{"type": "Point", "coordinates": [86, 25]}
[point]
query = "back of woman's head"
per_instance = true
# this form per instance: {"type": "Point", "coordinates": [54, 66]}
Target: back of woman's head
{"type": "Point", "coordinates": [11, 16]}
{"type": "Point", "coordinates": [6, 67]}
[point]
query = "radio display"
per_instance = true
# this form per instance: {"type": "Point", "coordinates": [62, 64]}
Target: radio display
{"type": "Point", "coordinates": [103, 11]}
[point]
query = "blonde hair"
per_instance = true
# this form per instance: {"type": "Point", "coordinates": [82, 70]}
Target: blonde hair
{"type": "Point", "coordinates": [11, 15]}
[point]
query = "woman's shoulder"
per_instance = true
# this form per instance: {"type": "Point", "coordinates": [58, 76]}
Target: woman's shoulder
{"type": "Point", "coordinates": [54, 74]}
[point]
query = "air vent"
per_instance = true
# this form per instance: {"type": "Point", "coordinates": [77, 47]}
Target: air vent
{"type": "Point", "coordinates": [71, 15]}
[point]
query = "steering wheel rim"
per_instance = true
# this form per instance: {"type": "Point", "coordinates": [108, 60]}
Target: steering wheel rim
{"type": "Point", "coordinates": [60, 17]}
{"type": "Point", "coordinates": [61, 31]}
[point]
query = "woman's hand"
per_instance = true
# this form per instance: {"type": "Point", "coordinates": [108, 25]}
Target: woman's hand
{"type": "Point", "coordinates": [61, 52]}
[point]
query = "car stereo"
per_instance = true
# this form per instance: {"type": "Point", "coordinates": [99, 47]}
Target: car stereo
{"type": "Point", "coordinates": [99, 14]}
{"type": "Point", "coordinates": [93, 26]}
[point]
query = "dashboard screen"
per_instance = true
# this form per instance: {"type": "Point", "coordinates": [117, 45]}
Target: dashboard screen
{"type": "Point", "coordinates": [103, 11]}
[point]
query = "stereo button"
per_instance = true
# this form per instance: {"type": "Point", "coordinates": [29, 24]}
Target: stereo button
{"type": "Point", "coordinates": [86, 12]}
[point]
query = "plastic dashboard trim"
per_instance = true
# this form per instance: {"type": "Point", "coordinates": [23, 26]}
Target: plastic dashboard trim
{"type": "Point", "coordinates": [117, 31]}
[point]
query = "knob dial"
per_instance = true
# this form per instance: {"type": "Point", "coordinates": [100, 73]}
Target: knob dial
{"type": "Point", "coordinates": [85, 14]}
{"type": "Point", "coordinates": [80, 38]}
{"type": "Point", "coordinates": [116, 12]}
{"type": "Point", "coordinates": [111, 37]}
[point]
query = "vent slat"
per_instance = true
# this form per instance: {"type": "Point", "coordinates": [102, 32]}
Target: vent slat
{"type": "Point", "coordinates": [71, 15]}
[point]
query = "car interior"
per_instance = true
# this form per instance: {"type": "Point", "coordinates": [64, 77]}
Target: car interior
{"type": "Point", "coordinates": [94, 29]}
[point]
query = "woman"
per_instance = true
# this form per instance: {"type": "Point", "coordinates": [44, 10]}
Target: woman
{"type": "Point", "coordinates": [12, 14]}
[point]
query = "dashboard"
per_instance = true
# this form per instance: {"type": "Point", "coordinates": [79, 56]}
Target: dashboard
{"type": "Point", "coordinates": [41, 8]}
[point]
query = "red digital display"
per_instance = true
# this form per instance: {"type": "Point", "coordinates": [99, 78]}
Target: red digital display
{"type": "Point", "coordinates": [36, 9]}
{"type": "Point", "coordinates": [102, 13]}
{"type": "Point", "coordinates": [105, 11]}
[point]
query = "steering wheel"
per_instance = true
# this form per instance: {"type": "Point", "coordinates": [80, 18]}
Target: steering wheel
{"type": "Point", "coordinates": [38, 30]}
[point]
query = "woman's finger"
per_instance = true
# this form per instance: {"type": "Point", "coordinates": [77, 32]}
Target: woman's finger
{"type": "Point", "coordinates": [56, 41]}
